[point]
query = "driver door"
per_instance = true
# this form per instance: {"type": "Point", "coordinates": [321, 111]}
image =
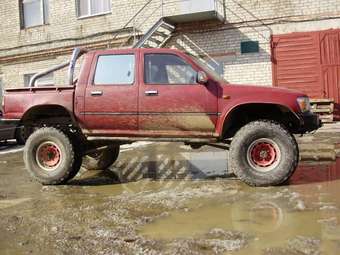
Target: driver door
{"type": "Point", "coordinates": [171, 102]}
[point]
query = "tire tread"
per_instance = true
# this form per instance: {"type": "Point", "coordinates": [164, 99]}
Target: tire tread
{"type": "Point", "coordinates": [264, 124]}
{"type": "Point", "coordinates": [50, 131]}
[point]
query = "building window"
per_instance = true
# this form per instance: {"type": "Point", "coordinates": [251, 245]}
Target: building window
{"type": "Point", "coordinates": [250, 47]}
{"type": "Point", "coordinates": [34, 12]}
{"type": "Point", "coordinates": [115, 70]}
{"type": "Point", "coordinates": [47, 80]}
{"type": "Point", "coordinates": [93, 7]}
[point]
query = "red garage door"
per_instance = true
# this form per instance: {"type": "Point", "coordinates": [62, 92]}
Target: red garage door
{"type": "Point", "coordinates": [330, 63]}
{"type": "Point", "coordinates": [309, 62]}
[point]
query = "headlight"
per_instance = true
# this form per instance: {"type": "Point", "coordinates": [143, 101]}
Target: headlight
{"type": "Point", "coordinates": [304, 104]}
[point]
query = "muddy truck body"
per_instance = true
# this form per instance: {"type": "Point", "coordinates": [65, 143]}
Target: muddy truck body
{"type": "Point", "coordinates": [129, 95]}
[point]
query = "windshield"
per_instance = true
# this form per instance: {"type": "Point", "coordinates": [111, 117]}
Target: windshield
{"type": "Point", "coordinates": [216, 76]}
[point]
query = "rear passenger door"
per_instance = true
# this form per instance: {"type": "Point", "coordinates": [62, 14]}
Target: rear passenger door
{"type": "Point", "coordinates": [111, 98]}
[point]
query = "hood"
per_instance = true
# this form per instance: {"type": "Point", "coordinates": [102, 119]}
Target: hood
{"type": "Point", "coordinates": [245, 94]}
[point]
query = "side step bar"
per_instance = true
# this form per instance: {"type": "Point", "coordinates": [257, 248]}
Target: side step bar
{"type": "Point", "coordinates": [152, 139]}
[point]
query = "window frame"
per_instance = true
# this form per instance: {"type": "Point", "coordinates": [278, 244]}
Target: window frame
{"type": "Point", "coordinates": [31, 74]}
{"type": "Point", "coordinates": [44, 16]}
{"type": "Point", "coordinates": [110, 84]}
{"type": "Point", "coordinates": [168, 84]}
{"type": "Point", "coordinates": [90, 15]}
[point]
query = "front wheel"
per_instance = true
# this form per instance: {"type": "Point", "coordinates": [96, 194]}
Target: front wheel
{"type": "Point", "coordinates": [263, 153]}
{"type": "Point", "coordinates": [50, 157]}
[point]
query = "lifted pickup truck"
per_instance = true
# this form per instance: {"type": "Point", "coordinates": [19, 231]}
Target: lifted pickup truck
{"type": "Point", "coordinates": [128, 95]}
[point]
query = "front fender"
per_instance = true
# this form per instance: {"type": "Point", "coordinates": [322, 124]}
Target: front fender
{"type": "Point", "coordinates": [227, 113]}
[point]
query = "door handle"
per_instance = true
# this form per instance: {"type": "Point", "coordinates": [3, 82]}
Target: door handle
{"type": "Point", "coordinates": [96, 93]}
{"type": "Point", "coordinates": [151, 93]}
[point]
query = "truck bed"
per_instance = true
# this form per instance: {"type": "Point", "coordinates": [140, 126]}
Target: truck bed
{"type": "Point", "coordinates": [17, 101]}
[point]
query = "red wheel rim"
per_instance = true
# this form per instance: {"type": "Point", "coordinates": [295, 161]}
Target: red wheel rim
{"type": "Point", "coordinates": [264, 155]}
{"type": "Point", "coordinates": [48, 156]}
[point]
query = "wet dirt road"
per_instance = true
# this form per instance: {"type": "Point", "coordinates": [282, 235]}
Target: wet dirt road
{"type": "Point", "coordinates": [169, 199]}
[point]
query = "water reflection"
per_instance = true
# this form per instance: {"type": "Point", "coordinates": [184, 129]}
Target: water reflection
{"type": "Point", "coordinates": [161, 162]}
{"type": "Point", "coordinates": [164, 192]}
{"type": "Point", "coordinates": [282, 220]}
{"type": "Point", "coordinates": [172, 162]}
{"type": "Point", "coordinates": [277, 217]}
{"type": "Point", "coordinates": [313, 172]}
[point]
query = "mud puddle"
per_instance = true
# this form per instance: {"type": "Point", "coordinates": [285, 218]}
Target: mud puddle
{"type": "Point", "coordinates": [302, 218]}
{"type": "Point", "coordinates": [168, 199]}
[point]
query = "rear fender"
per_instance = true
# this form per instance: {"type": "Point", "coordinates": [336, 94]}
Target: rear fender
{"type": "Point", "coordinates": [47, 111]}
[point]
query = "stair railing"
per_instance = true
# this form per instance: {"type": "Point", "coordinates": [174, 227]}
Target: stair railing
{"type": "Point", "coordinates": [136, 26]}
{"type": "Point", "coordinates": [132, 21]}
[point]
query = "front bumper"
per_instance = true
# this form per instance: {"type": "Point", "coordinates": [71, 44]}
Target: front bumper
{"type": "Point", "coordinates": [309, 122]}
{"type": "Point", "coordinates": [8, 128]}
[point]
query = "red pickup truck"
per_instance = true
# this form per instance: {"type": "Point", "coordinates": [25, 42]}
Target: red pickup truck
{"type": "Point", "coordinates": [127, 95]}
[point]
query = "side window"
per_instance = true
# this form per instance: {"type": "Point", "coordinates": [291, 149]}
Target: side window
{"type": "Point", "coordinates": [34, 12]}
{"type": "Point", "coordinates": [115, 70]}
{"type": "Point", "coordinates": [167, 69]}
{"type": "Point", "coordinates": [93, 7]}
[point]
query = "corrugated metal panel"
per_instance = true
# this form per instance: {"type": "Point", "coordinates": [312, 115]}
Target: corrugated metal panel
{"type": "Point", "coordinates": [330, 62]}
{"type": "Point", "coordinates": [309, 62]}
{"type": "Point", "coordinates": [330, 47]}
{"type": "Point", "coordinates": [331, 78]}
{"type": "Point", "coordinates": [296, 63]}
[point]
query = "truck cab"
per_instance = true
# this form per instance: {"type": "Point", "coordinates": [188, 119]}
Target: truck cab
{"type": "Point", "coordinates": [158, 91]}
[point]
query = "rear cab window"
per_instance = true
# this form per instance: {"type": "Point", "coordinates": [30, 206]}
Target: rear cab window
{"type": "Point", "coordinates": [115, 70]}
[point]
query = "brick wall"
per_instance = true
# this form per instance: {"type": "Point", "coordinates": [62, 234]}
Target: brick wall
{"type": "Point", "coordinates": [221, 50]}
{"type": "Point", "coordinates": [14, 74]}
{"type": "Point", "coordinates": [218, 44]}
{"type": "Point", "coordinates": [254, 20]}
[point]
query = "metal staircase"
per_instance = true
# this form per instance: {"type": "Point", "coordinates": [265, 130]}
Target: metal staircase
{"type": "Point", "coordinates": [157, 36]}
{"type": "Point", "coordinates": [165, 23]}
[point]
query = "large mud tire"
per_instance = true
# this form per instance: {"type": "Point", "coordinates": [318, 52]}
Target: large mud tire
{"type": "Point", "coordinates": [50, 157]}
{"type": "Point", "coordinates": [78, 147]}
{"type": "Point", "coordinates": [101, 160]}
{"type": "Point", "coordinates": [263, 153]}
{"type": "Point", "coordinates": [22, 134]}
{"type": "Point", "coordinates": [78, 161]}
{"type": "Point", "coordinates": [19, 137]}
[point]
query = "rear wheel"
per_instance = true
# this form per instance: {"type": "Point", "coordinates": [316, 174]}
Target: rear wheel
{"type": "Point", "coordinates": [22, 134]}
{"type": "Point", "coordinates": [102, 159]}
{"type": "Point", "coordinates": [50, 157]}
{"type": "Point", "coordinates": [263, 153]}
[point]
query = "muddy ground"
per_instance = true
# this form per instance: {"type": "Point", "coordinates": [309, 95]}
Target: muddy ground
{"type": "Point", "coordinates": [169, 199]}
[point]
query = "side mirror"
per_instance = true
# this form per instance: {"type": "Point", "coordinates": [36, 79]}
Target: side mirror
{"type": "Point", "coordinates": [202, 78]}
